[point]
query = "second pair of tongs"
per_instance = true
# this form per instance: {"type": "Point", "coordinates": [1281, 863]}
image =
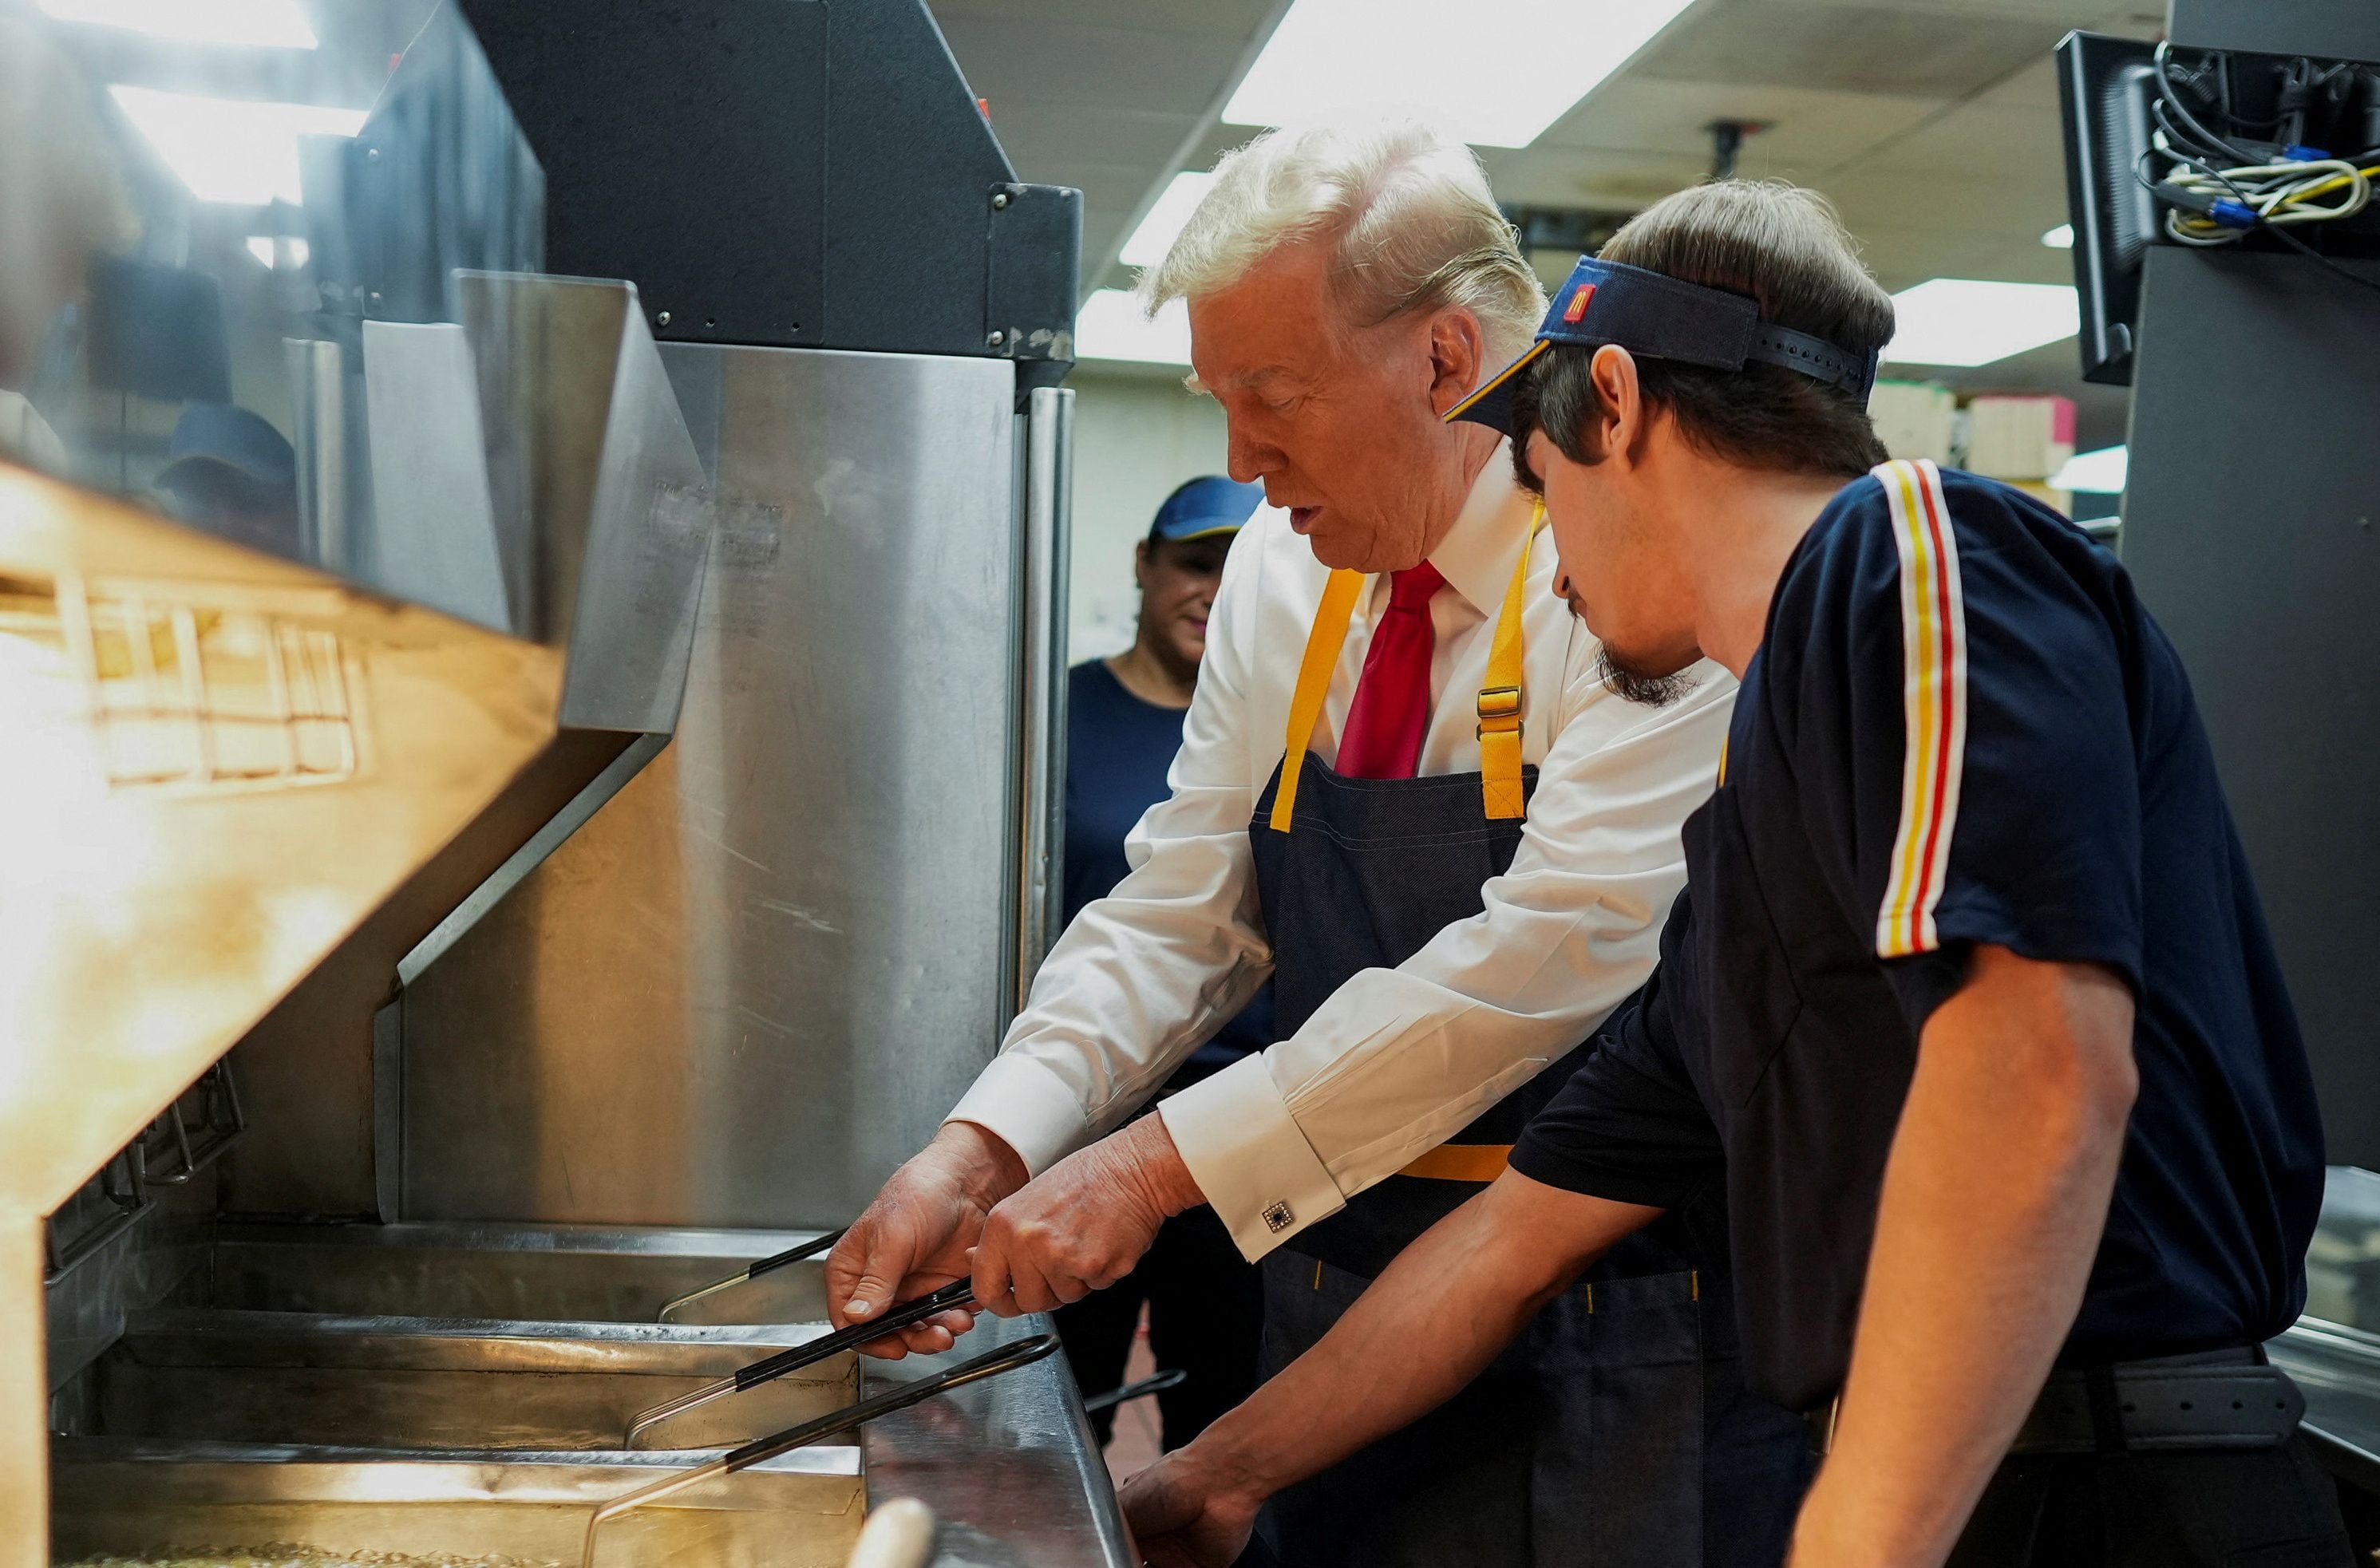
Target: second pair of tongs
{"type": "Point", "coordinates": [957, 1295]}
{"type": "Point", "coordinates": [1006, 1358]}
{"type": "Point", "coordinates": [765, 1266]}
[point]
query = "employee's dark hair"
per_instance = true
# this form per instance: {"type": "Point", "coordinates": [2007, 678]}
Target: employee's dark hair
{"type": "Point", "coordinates": [1785, 248]}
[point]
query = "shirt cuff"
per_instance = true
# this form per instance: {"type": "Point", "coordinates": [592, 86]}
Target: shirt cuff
{"type": "Point", "coordinates": [1249, 1157]}
{"type": "Point", "coordinates": [1027, 1106]}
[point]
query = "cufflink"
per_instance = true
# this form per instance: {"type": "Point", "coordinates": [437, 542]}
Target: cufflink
{"type": "Point", "coordinates": [1277, 1217]}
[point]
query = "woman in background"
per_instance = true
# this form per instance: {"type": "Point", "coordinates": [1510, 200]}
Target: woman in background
{"type": "Point", "coordinates": [1123, 725]}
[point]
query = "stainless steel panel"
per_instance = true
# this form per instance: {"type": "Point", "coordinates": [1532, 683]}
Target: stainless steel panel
{"type": "Point", "coordinates": [1049, 519]}
{"type": "Point", "coordinates": [433, 535]}
{"type": "Point", "coordinates": [155, 1257]}
{"type": "Point", "coordinates": [1008, 1464]}
{"type": "Point", "coordinates": [406, 1384]}
{"type": "Point", "coordinates": [756, 979]}
{"type": "Point", "coordinates": [507, 1271]}
{"type": "Point", "coordinates": [598, 495]}
{"type": "Point", "coordinates": [162, 1503]}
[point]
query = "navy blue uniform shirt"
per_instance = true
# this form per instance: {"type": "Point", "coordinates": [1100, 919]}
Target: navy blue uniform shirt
{"type": "Point", "coordinates": [1961, 727]}
{"type": "Point", "coordinates": [1118, 751]}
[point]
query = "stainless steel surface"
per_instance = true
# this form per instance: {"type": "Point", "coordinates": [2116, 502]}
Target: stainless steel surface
{"type": "Point", "coordinates": [271, 1378]}
{"type": "Point", "coordinates": [1041, 795]}
{"type": "Point", "coordinates": [504, 1271]}
{"type": "Point", "coordinates": [1008, 1464]}
{"type": "Point", "coordinates": [175, 864]}
{"type": "Point", "coordinates": [2343, 1262]}
{"type": "Point", "coordinates": [751, 1272]}
{"type": "Point", "coordinates": [600, 502]}
{"type": "Point", "coordinates": [219, 1426]}
{"type": "Point", "coordinates": [164, 1503]}
{"type": "Point", "coordinates": [977, 1368]}
{"type": "Point", "coordinates": [2338, 1368]}
{"type": "Point", "coordinates": [388, 1023]}
{"type": "Point", "coordinates": [758, 977]}
{"type": "Point", "coordinates": [156, 1256]}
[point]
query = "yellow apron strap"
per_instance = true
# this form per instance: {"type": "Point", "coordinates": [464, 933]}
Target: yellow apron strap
{"type": "Point", "coordinates": [1462, 1162]}
{"type": "Point", "coordinates": [1499, 697]}
{"type": "Point", "coordinates": [1500, 694]}
{"type": "Point", "coordinates": [1322, 645]}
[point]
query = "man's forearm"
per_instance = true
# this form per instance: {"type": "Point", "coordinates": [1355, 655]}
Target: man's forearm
{"type": "Point", "coordinates": [1421, 1330]}
{"type": "Point", "coordinates": [1993, 1200]}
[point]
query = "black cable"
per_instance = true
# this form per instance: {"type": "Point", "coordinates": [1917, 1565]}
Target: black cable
{"type": "Point", "coordinates": [2161, 62]}
{"type": "Point", "coordinates": [2277, 231]}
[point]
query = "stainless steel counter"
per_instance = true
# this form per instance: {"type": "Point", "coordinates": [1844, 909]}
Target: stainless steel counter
{"type": "Point", "coordinates": [2339, 1368]}
{"type": "Point", "coordinates": [362, 1383]}
{"type": "Point", "coordinates": [1007, 1466]}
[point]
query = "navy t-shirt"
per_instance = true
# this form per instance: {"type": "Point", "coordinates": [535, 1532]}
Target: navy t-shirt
{"type": "Point", "coordinates": [1961, 727]}
{"type": "Point", "coordinates": [1119, 749]}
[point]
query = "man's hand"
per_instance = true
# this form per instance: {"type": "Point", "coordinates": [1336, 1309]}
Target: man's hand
{"type": "Point", "coordinates": [1083, 1223]}
{"type": "Point", "coordinates": [1186, 1513]}
{"type": "Point", "coordinates": [916, 1235]}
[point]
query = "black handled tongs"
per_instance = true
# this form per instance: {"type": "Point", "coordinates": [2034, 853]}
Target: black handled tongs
{"type": "Point", "coordinates": [957, 1293]}
{"type": "Point", "coordinates": [1007, 1359]}
{"type": "Point", "coordinates": [765, 1266]}
{"type": "Point", "coordinates": [1172, 1377]}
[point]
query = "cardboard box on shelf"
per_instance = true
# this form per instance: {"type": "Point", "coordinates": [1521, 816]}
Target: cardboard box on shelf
{"type": "Point", "coordinates": [1914, 419]}
{"type": "Point", "coordinates": [2018, 438]}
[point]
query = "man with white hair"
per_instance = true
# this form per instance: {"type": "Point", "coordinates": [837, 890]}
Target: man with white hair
{"type": "Point", "coordinates": [1451, 841]}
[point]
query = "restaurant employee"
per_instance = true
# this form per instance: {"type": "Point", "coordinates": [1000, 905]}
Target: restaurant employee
{"type": "Point", "coordinates": [1968, 1006]}
{"type": "Point", "coordinates": [1406, 792]}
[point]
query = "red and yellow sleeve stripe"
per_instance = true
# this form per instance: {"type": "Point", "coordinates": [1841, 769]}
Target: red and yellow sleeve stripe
{"type": "Point", "coordinates": [1934, 704]}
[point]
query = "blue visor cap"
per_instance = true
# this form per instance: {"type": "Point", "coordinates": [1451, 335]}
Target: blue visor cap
{"type": "Point", "coordinates": [1659, 317]}
{"type": "Point", "coordinates": [1210, 506]}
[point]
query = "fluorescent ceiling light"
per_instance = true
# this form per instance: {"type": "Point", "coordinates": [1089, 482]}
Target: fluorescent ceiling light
{"type": "Point", "coordinates": [229, 149]}
{"type": "Point", "coordinates": [2100, 473]}
{"type": "Point", "coordinates": [1494, 72]}
{"type": "Point", "coordinates": [1963, 321]}
{"type": "Point", "coordinates": [1111, 326]}
{"type": "Point", "coordinates": [270, 24]}
{"type": "Point", "coordinates": [260, 247]}
{"type": "Point", "coordinates": [1156, 234]}
{"type": "Point", "coordinates": [2060, 238]}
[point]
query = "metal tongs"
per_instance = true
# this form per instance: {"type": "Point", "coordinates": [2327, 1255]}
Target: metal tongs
{"type": "Point", "coordinates": [958, 1293]}
{"type": "Point", "coordinates": [766, 1265]}
{"type": "Point", "coordinates": [990, 1365]}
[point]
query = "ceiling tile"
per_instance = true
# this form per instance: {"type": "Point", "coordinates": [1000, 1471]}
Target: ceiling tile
{"type": "Point", "coordinates": [1905, 50]}
{"type": "Point", "coordinates": [1039, 135]}
{"type": "Point", "coordinates": [1109, 68]}
{"type": "Point", "coordinates": [1808, 130]}
{"type": "Point", "coordinates": [1559, 176]}
{"type": "Point", "coordinates": [1973, 142]}
{"type": "Point", "coordinates": [1235, 19]}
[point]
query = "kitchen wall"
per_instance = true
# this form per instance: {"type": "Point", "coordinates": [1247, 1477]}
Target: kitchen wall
{"type": "Point", "coordinates": [1137, 435]}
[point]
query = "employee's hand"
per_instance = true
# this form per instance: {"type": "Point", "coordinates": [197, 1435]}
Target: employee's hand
{"type": "Point", "coordinates": [916, 1236]}
{"type": "Point", "coordinates": [1186, 1513]}
{"type": "Point", "coordinates": [1083, 1223]}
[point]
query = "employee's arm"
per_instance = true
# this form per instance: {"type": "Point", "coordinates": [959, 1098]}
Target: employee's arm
{"type": "Point", "coordinates": [1425, 1329]}
{"type": "Point", "coordinates": [1994, 1199]}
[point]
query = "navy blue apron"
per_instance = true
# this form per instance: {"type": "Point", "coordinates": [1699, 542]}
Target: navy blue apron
{"type": "Point", "coordinates": [1615, 1431]}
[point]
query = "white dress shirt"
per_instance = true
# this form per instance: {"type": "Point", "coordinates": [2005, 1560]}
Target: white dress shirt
{"type": "Point", "coordinates": [1397, 1060]}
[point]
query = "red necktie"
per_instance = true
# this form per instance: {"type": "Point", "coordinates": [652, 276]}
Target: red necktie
{"type": "Point", "coordinates": [1391, 713]}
